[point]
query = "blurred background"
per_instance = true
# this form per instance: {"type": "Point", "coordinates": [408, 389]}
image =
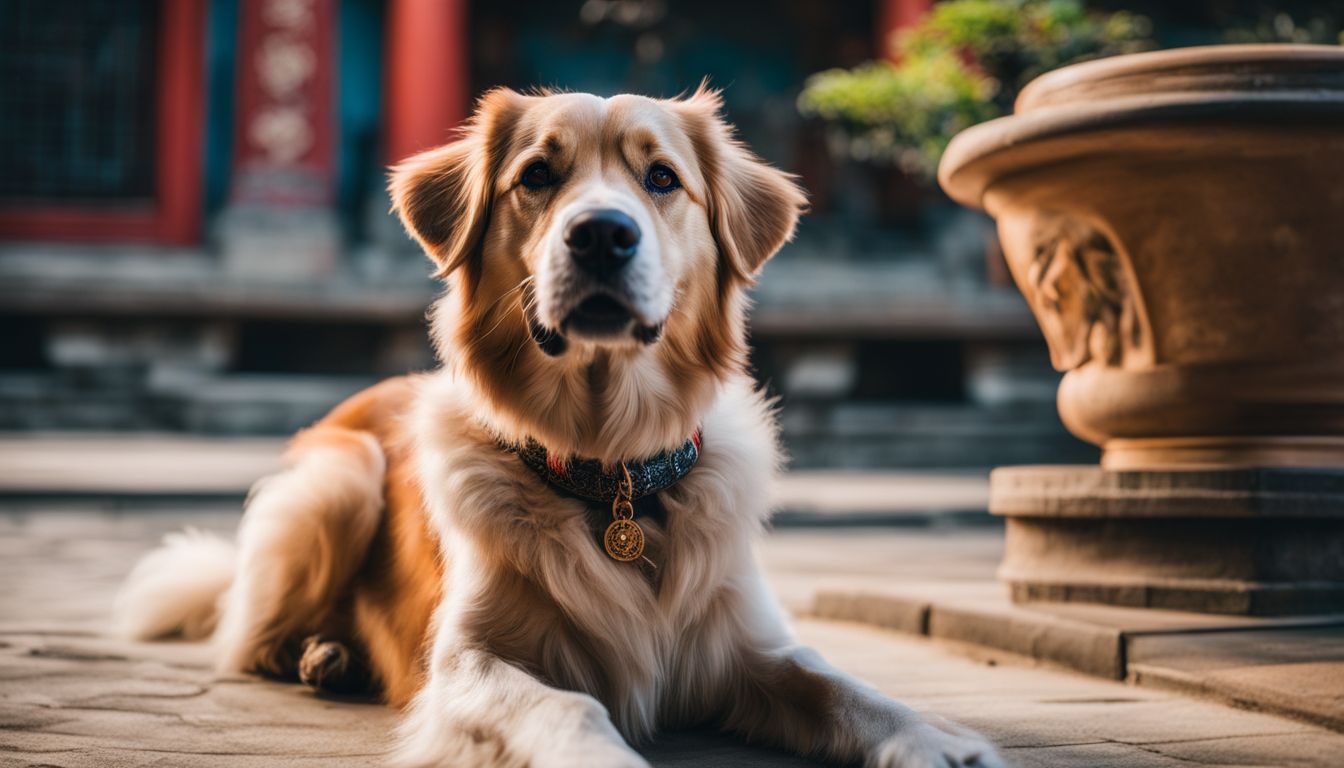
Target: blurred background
{"type": "Point", "coordinates": [194, 234]}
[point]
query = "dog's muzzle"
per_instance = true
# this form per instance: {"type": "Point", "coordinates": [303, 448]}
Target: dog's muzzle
{"type": "Point", "coordinates": [602, 243]}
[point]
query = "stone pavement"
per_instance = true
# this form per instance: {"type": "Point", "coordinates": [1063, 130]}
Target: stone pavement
{"type": "Point", "coordinates": [70, 696]}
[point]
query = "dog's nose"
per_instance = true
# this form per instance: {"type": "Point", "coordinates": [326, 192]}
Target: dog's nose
{"type": "Point", "coordinates": [602, 241]}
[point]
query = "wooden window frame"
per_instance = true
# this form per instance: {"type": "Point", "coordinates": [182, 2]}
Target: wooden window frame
{"type": "Point", "coordinates": [173, 217]}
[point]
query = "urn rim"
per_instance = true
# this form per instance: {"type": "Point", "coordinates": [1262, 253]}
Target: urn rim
{"type": "Point", "coordinates": [1197, 68]}
{"type": "Point", "coordinates": [1276, 85]}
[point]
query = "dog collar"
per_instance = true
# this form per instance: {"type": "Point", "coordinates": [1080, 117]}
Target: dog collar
{"type": "Point", "coordinates": [623, 485]}
{"type": "Point", "coordinates": [594, 480]}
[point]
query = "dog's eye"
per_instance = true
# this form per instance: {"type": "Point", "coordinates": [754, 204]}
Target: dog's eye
{"type": "Point", "coordinates": [537, 175]}
{"type": "Point", "coordinates": [661, 179]}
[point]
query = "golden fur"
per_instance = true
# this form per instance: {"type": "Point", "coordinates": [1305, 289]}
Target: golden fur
{"type": "Point", "coordinates": [476, 592]}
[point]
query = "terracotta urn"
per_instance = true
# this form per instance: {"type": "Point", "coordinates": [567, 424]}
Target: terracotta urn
{"type": "Point", "coordinates": [1175, 221]}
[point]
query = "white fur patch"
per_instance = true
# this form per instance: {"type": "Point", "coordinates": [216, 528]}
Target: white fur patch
{"type": "Point", "coordinates": [175, 590]}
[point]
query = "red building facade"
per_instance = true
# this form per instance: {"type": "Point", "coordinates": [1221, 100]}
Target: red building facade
{"type": "Point", "coordinates": [284, 120]}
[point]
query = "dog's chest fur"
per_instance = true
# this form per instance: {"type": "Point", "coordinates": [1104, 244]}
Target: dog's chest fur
{"type": "Point", "coordinates": [526, 579]}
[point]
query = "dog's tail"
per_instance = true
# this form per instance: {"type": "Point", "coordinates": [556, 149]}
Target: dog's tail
{"type": "Point", "coordinates": [177, 589]}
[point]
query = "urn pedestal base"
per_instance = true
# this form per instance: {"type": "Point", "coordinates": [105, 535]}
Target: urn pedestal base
{"type": "Point", "coordinates": [1249, 541]}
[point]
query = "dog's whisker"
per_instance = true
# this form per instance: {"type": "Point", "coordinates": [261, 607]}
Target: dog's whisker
{"type": "Point", "coordinates": [522, 284]}
{"type": "Point", "coordinates": [514, 360]}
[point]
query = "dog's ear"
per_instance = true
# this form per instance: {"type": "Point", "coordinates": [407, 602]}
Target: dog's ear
{"type": "Point", "coordinates": [753, 207]}
{"type": "Point", "coordinates": [443, 195]}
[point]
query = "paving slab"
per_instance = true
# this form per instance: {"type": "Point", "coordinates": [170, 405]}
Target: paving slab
{"type": "Point", "coordinates": [808, 561]}
{"type": "Point", "coordinates": [1298, 671]}
{"type": "Point", "coordinates": [890, 498]}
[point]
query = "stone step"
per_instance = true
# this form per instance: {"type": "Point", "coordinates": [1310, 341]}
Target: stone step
{"type": "Point", "coordinates": [1291, 666]}
{"type": "Point", "coordinates": [870, 436]}
{"type": "Point", "coordinates": [878, 435]}
{"type": "Point", "coordinates": [170, 468]}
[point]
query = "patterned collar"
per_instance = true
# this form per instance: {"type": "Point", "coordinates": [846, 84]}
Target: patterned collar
{"type": "Point", "coordinates": [592, 480]}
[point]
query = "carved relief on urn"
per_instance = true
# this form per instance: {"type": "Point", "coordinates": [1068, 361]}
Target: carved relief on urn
{"type": "Point", "coordinates": [1078, 288]}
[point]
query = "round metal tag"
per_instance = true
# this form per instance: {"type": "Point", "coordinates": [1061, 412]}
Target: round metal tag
{"type": "Point", "coordinates": [624, 540]}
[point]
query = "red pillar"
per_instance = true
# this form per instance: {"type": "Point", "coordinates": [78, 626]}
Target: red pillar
{"type": "Point", "coordinates": [428, 80]}
{"type": "Point", "coordinates": [181, 118]}
{"type": "Point", "coordinates": [893, 15]}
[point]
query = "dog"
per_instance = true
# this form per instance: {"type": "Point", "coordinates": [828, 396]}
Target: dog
{"type": "Point", "coordinates": [544, 551]}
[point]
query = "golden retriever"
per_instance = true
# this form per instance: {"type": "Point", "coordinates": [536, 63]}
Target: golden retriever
{"type": "Point", "coordinates": [474, 544]}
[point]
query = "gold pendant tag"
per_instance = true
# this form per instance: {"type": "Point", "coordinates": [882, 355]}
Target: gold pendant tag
{"type": "Point", "coordinates": [624, 540]}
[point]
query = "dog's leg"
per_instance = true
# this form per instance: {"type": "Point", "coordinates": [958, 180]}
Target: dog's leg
{"type": "Point", "coordinates": [477, 709]}
{"type": "Point", "coordinates": [305, 533]}
{"type": "Point", "coordinates": [793, 698]}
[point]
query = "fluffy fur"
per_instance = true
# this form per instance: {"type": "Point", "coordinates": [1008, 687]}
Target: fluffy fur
{"type": "Point", "coordinates": [175, 589]}
{"type": "Point", "coordinates": [475, 593]}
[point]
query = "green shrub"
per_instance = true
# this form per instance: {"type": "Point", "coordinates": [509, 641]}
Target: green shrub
{"type": "Point", "coordinates": [963, 64]}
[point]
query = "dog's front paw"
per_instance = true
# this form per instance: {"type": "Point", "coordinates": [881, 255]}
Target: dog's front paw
{"type": "Point", "coordinates": [603, 753]}
{"type": "Point", "coordinates": [937, 744]}
{"type": "Point", "coordinates": [566, 731]}
{"type": "Point", "coordinates": [476, 746]}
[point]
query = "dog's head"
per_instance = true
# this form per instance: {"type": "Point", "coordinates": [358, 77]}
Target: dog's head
{"type": "Point", "coordinates": [593, 229]}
